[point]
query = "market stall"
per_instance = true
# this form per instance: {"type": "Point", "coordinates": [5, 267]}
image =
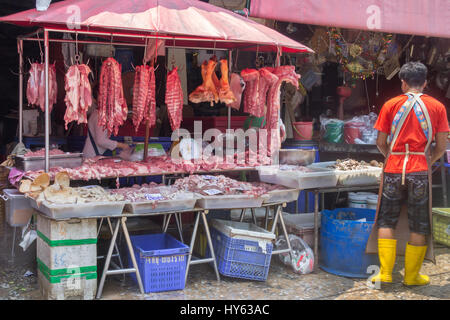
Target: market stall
{"type": "Point", "coordinates": [49, 186]}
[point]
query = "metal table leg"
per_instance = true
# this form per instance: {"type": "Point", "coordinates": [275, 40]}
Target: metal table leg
{"type": "Point", "coordinates": [108, 260]}
{"type": "Point", "coordinates": [211, 248]}
{"type": "Point", "coordinates": [133, 258]}
{"type": "Point", "coordinates": [279, 215]}
{"type": "Point", "coordinates": [106, 271]}
{"type": "Point", "coordinates": [316, 228]}
{"type": "Point", "coordinates": [191, 247]}
{"type": "Point", "coordinates": [254, 216]}
{"type": "Point", "coordinates": [241, 218]}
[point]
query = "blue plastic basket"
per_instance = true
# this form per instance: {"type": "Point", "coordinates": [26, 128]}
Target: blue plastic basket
{"type": "Point", "coordinates": [161, 261]}
{"type": "Point", "coordinates": [240, 258]}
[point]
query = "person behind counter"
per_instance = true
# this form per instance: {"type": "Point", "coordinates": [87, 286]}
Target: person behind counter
{"type": "Point", "coordinates": [98, 140]}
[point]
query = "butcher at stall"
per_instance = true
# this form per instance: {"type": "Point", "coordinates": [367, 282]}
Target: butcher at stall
{"type": "Point", "coordinates": [98, 139]}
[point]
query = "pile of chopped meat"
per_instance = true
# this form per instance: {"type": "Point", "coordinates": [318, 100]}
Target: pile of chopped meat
{"type": "Point", "coordinates": [102, 167]}
{"type": "Point", "coordinates": [147, 192]}
{"type": "Point", "coordinates": [41, 153]}
{"type": "Point", "coordinates": [351, 164]}
{"type": "Point", "coordinates": [207, 185]}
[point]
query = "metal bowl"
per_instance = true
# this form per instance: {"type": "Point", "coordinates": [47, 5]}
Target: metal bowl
{"type": "Point", "coordinates": [300, 157]}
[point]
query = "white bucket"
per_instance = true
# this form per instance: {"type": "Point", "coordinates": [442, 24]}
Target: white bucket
{"type": "Point", "coordinates": [372, 202]}
{"type": "Point", "coordinates": [356, 200]}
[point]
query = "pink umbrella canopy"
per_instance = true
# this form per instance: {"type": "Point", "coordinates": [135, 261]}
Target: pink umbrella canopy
{"type": "Point", "coordinates": [192, 19]}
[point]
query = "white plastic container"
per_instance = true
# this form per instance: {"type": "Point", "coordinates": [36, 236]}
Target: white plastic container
{"type": "Point", "coordinates": [17, 208]}
{"type": "Point", "coordinates": [242, 230]}
{"type": "Point", "coordinates": [372, 201]}
{"type": "Point", "coordinates": [229, 202]}
{"type": "Point", "coordinates": [356, 200]}
{"type": "Point", "coordinates": [320, 178]}
{"type": "Point", "coordinates": [371, 175]}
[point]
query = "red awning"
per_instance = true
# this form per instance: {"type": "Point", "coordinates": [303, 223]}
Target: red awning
{"type": "Point", "coordinates": [415, 17]}
{"type": "Point", "coordinates": [194, 19]}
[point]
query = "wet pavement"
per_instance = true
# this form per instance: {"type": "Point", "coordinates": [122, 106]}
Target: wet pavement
{"type": "Point", "coordinates": [282, 282]}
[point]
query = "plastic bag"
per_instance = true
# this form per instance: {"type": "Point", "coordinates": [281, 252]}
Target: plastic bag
{"type": "Point", "coordinates": [360, 130]}
{"type": "Point", "coordinates": [302, 258]}
{"type": "Point", "coordinates": [331, 129]}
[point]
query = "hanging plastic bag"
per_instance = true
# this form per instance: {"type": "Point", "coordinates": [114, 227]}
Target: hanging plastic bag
{"type": "Point", "coordinates": [332, 129]}
{"type": "Point", "coordinates": [302, 258]}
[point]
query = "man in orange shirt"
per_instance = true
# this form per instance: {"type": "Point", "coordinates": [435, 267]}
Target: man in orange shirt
{"type": "Point", "coordinates": [406, 126]}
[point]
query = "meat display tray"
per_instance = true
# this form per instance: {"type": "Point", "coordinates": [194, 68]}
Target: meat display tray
{"type": "Point", "coordinates": [67, 160]}
{"type": "Point", "coordinates": [371, 175]}
{"type": "Point", "coordinates": [319, 178]}
{"type": "Point", "coordinates": [284, 195]}
{"type": "Point", "coordinates": [80, 210]}
{"type": "Point", "coordinates": [160, 206]}
{"type": "Point", "coordinates": [229, 202]}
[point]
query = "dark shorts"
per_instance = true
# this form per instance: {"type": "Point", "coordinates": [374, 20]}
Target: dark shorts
{"type": "Point", "coordinates": [416, 195]}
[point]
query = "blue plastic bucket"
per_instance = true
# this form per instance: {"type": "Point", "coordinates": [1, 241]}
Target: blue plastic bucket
{"type": "Point", "coordinates": [343, 242]}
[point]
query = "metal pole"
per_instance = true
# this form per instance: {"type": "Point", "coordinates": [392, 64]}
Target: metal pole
{"type": "Point", "coordinates": [47, 114]}
{"type": "Point", "coordinates": [230, 66]}
{"type": "Point", "coordinates": [20, 50]}
{"type": "Point", "coordinates": [316, 228]}
{"type": "Point", "coordinates": [113, 43]}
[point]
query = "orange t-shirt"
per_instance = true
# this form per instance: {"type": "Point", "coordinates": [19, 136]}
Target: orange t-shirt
{"type": "Point", "coordinates": [411, 132]}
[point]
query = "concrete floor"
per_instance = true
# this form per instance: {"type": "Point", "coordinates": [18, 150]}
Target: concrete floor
{"type": "Point", "coordinates": [282, 282]}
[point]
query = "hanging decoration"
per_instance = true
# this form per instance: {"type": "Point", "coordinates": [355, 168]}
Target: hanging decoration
{"type": "Point", "coordinates": [360, 59]}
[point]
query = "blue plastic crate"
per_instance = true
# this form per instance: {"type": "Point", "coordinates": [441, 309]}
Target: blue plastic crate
{"type": "Point", "coordinates": [241, 258]}
{"type": "Point", "coordinates": [161, 260]}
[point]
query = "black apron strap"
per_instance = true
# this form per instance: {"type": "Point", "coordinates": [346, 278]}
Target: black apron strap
{"type": "Point", "coordinates": [93, 143]}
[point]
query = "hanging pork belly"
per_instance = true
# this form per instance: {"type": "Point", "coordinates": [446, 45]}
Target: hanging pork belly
{"type": "Point", "coordinates": [112, 106]}
{"type": "Point", "coordinates": [174, 99]}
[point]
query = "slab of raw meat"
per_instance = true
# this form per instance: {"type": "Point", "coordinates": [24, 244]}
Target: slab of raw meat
{"type": "Point", "coordinates": [237, 86]}
{"type": "Point", "coordinates": [140, 92]}
{"type": "Point", "coordinates": [207, 91]}
{"type": "Point", "coordinates": [36, 86]}
{"type": "Point", "coordinates": [284, 74]}
{"type": "Point", "coordinates": [251, 78]}
{"type": "Point", "coordinates": [225, 94]}
{"type": "Point", "coordinates": [78, 97]}
{"type": "Point", "coordinates": [174, 99]}
{"type": "Point", "coordinates": [112, 106]}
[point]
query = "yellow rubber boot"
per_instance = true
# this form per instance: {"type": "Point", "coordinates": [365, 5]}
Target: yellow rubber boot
{"type": "Point", "coordinates": [386, 253]}
{"type": "Point", "coordinates": [414, 256]}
